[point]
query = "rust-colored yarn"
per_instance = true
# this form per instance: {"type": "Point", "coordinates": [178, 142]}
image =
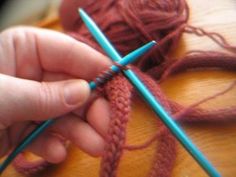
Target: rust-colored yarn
{"type": "Point", "coordinates": [129, 24]}
{"type": "Point", "coordinates": [119, 94]}
{"type": "Point", "coordinates": [29, 167]}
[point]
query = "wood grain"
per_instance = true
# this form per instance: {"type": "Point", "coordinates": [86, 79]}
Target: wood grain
{"type": "Point", "coordinates": [216, 141]}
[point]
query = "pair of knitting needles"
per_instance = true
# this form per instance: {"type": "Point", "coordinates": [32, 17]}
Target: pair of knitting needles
{"type": "Point", "coordinates": [93, 84]}
{"type": "Point", "coordinates": [149, 98]}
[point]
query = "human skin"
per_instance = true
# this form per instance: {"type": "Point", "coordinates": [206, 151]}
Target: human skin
{"type": "Point", "coordinates": [44, 74]}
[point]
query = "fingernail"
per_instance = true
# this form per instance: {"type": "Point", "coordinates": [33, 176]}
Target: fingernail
{"type": "Point", "coordinates": [76, 92]}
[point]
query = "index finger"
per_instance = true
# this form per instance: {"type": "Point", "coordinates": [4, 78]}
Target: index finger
{"type": "Point", "coordinates": [37, 49]}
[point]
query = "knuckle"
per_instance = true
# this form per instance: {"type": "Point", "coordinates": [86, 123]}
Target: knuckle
{"type": "Point", "coordinates": [46, 96]}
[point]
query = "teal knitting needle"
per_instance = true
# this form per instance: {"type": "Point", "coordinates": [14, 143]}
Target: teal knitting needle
{"type": "Point", "coordinates": [131, 57]}
{"type": "Point", "coordinates": [149, 98]}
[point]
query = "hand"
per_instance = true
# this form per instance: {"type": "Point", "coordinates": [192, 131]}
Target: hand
{"type": "Point", "coordinates": [42, 76]}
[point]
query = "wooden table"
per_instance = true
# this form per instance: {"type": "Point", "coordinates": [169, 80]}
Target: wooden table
{"type": "Point", "coordinates": [216, 141]}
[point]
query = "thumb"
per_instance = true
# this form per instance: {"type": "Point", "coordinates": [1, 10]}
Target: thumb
{"type": "Point", "coordinates": [22, 99]}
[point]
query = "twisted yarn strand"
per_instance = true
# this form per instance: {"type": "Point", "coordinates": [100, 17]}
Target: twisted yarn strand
{"type": "Point", "coordinates": [166, 151]}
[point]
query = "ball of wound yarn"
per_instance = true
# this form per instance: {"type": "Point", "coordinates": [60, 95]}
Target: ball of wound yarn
{"type": "Point", "coordinates": [131, 23]}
